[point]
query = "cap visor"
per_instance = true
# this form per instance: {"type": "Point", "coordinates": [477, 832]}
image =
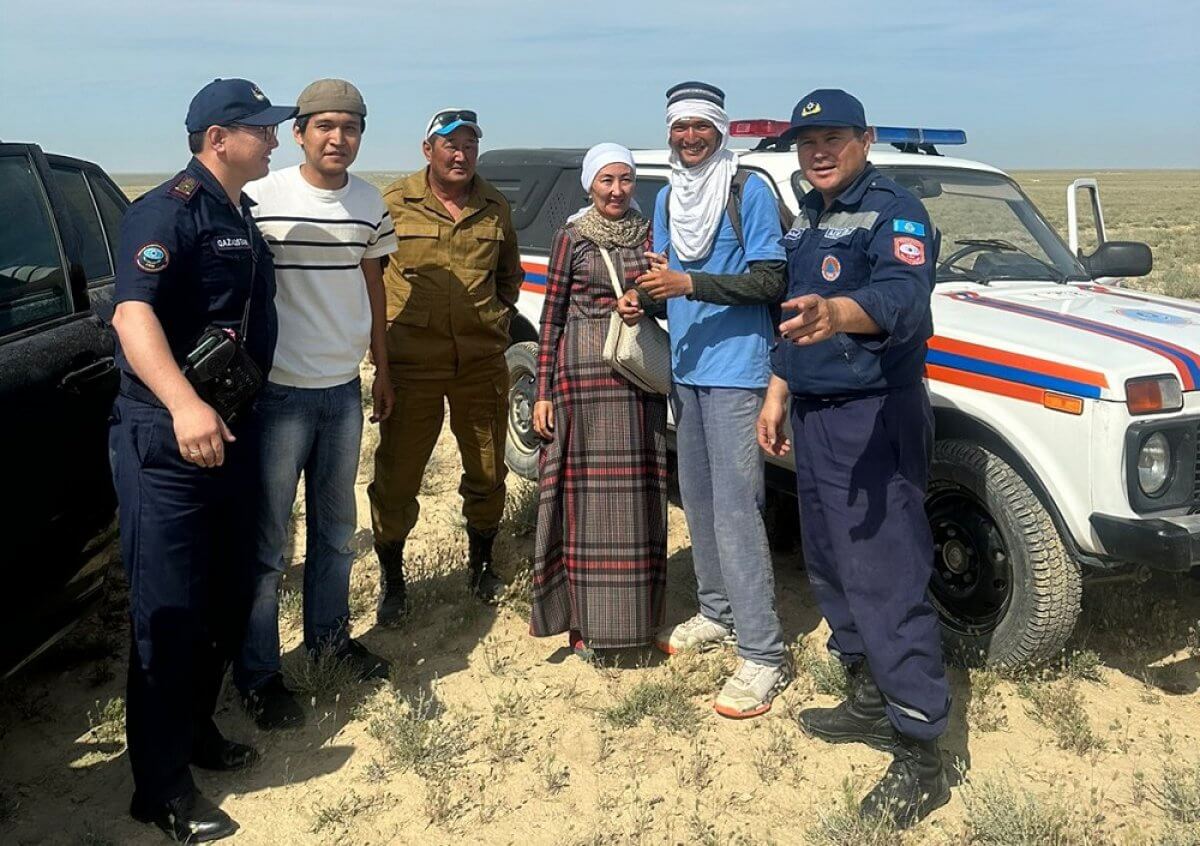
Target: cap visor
{"type": "Point", "coordinates": [269, 116]}
{"type": "Point", "coordinates": [446, 130]}
{"type": "Point", "coordinates": [791, 132]}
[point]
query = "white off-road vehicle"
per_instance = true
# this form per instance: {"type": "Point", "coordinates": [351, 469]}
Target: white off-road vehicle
{"type": "Point", "coordinates": [1067, 406]}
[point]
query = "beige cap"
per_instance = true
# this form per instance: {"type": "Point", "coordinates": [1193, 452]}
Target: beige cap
{"type": "Point", "coordinates": [330, 95]}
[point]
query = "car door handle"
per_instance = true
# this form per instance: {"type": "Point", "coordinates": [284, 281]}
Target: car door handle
{"type": "Point", "coordinates": [78, 380]}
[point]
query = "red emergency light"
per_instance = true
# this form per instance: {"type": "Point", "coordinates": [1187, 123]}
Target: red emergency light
{"type": "Point", "coordinates": [759, 128]}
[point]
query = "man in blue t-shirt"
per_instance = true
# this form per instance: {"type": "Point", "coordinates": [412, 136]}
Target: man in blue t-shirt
{"type": "Point", "coordinates": [718, 284]}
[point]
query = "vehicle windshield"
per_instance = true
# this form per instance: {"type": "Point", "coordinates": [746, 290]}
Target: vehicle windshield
{"type": "Point", "coordinates": [990, 230]}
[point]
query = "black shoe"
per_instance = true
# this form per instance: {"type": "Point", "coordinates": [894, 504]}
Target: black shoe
{"type": "Point", "coordinates": [393, 595]}
{"type": "Point", "coordinates": [223, 755]}
{"type": "Point", "coordinates": [188, 819]}
{"type": "Point", "coordinates": [273, 706]}
{"type": "Point", "coordinates": [483, 581]}
{"type": "Point", "coordinates": [366, 663]}
{"type": "Point", "coordinates": [914, 785]}
{"type": "Point", "coordinates": [860, 718]}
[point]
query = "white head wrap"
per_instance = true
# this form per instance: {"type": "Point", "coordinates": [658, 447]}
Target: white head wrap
{"type": "Point", "coordinates": [699, 194]}
{"type": "Point", "coordinates": [594, 161]}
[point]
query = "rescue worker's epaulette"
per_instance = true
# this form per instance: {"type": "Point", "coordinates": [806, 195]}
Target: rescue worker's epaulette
{"type": "Point", "coordinates": [184, 186]}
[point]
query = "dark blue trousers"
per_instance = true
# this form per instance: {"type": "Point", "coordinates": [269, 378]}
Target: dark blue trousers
{"type": "Point", "coordinates": [861, 470]}
{"type": "Point", "coordinates": [185, 543]}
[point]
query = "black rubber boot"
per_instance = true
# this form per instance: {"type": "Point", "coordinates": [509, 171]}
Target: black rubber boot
{"type": "Point", "coordinates": [485, 584]}
{"type": "Point", "coordinates": [393, 597]}
{"type": "Point", "coordinates": [914, 785]}
{"type": "Point", "coordinates": [860, 718]}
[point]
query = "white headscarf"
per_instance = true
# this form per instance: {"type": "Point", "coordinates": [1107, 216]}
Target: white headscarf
{"type": "Point", "coordinates": [699, 194]}
{"type": "Point", "coordinates": [594, 161]}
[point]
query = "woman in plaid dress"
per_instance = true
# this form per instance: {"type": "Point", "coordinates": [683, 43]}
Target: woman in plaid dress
{"type": "Point", "coordinates": [600, 555]}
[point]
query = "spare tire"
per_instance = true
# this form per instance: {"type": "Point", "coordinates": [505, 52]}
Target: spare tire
{"type": "Point", "coordinates": [522, 446]}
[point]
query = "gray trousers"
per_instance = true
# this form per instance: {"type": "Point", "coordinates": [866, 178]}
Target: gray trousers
{"type": "Point", "coordinates": [723, 492]}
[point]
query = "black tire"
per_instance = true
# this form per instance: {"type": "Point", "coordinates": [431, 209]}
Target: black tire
{"type": "Point", "coordinates": [1004, 585]}
{"type": "Point", "coordinates": [522, 445]}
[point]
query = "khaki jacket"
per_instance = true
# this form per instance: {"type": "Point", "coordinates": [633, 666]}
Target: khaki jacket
{"type": "Point", "coordinates": [452, 286]}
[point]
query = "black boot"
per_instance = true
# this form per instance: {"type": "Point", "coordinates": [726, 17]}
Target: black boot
{"type": "Point", "coordinates": [913, 787]}
{"type": "Point", "coordinates": [861, 718]}
{"type": "Point", "coordinates": [393, 597]}
{"type": "Point", "coordinates": [189, 819]}
{"type": "Point", "coordinates": [485, 584]}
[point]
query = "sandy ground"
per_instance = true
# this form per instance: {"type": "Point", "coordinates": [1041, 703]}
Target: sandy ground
{"type": "Point", "coordinates": [487, 735]}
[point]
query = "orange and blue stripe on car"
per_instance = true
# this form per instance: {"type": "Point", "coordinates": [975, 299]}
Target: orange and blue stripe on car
{"type": "Point", "coordinates": [1186, 362]}
{"type": "Point", "coordinates": [1006, 373]}
{"type": "Point", "coordinates": [535, 277]}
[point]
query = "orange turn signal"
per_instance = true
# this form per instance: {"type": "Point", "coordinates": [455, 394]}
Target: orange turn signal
{"type": "Point", "coordinates": [1154, 394]}
{"type": "Point", "coordinates": [1062, 402]}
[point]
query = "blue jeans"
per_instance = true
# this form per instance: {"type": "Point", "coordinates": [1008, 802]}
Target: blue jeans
{"type": "Point", "coordinates": [317, 431]}
{"type": "Point", "coordinates": [723, 491]}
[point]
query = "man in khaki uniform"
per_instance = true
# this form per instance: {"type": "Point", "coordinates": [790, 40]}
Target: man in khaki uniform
{"type": "Point", "coordinates": [452, 287]}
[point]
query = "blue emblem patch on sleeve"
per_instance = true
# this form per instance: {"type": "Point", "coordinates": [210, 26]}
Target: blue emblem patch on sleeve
{"type": "Point", "coordinates": [152, 258]}
{"type": "Point", "coordinates": [908, 227]}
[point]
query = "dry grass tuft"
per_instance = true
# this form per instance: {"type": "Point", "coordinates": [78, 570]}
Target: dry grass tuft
{"type": "Point", "coordinates": [841, 824]}
{"type": "Point", "coordinates": [1058, 705]}
{"type": "Point", "coordinates": [986, 710]}
{"type": "Point", "coordinates": [107, 722]}
{"type": "Point", "coordinates": [338, 816]}
{"type": "Point", "coordinates": [1000, 814]}
{"type": "Point", "coordinates": [665, 703]}
{"type": "Point", "coordinates": [415, 736]}
{"type": "Point", "coordinates": [825, 673]}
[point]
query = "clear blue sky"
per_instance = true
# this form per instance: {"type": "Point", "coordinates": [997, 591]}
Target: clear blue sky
{"type": "Point", "coordinates": [1095, 84]}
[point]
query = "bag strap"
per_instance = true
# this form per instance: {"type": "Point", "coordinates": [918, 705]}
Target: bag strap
{"type": "Point", "coordinates": [241, 339]}
{"type": "Point", "coordinates": [618, 289]}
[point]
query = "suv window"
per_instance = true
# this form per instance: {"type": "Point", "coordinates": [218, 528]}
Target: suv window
{"type": "Point", "coordinates": [112, 208]}
{"type": "Point", "coordinates": [33, 284]}
{"type": "Point", "coordinates": [97, 263]}
{"type": "Point", "coordinates": [645, 191]}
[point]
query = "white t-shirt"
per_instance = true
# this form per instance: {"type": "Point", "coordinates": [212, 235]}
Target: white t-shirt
{"type": "Point", "coordinates": [318, 239]}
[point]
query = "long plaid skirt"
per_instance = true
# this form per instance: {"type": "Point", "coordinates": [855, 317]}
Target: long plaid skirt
{"type": "Point", "coordinates": [600, 555]}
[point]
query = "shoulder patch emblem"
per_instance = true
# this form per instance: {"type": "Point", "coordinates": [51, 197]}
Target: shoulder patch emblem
{"type": "Point", "coordinates": [908, 227]}
{"type": "Point", "coordinates": [185, 186]}
{"type": "Point", "coordinates": [831, 268]}
{"type": "Point", "coordinates": [152, 258]}
{"type": "Point", "coordinates": [909, 250]}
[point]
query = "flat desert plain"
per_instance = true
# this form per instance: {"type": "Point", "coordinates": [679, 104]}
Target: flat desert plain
{"type": "Point", "coordinates": [487, 735]}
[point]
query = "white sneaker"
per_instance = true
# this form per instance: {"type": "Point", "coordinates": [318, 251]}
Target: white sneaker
{"type": "Point", "coordinates": [750, 690]}
{"type": "Point", "coordinates": [699, 632]}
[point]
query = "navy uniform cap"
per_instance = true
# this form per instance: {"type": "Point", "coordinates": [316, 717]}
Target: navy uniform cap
{"type": "Point", "coordinates": [227, 101]}
{"type": "Point", "coordinates": [696, 91]}
{"type": "Point", "coordinates": [826, 107]}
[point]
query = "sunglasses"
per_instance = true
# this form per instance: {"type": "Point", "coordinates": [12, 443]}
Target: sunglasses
{"type": "Point", "coordinates": [443, 119]}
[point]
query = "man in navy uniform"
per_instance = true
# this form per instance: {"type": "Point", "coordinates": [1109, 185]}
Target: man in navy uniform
{"type": "Point", "coordinates": [861, 262]}
{"type": "Point", "coordinates": [190, 258]}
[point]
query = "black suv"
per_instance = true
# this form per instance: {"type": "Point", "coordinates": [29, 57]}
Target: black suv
{"type": "Point", "coordinates": [58, 245]}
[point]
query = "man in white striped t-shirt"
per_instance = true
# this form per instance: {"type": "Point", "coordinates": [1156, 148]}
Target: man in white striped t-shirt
{"type": "Point", "coordinates": [328, 231]}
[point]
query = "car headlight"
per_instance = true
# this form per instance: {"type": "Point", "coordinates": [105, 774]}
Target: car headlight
{"type": "Point", "coordinates": [1154, 464]}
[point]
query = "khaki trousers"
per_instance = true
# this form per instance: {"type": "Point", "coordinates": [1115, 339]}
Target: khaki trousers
{"type": "Point", "coordinates": [479, 420]}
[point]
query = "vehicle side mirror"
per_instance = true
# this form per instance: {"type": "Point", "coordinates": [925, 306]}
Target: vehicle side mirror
{"type": "Point", "coordinates": [1119, 258]}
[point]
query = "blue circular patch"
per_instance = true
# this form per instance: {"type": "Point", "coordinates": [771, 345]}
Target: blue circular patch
{"type": "Point", "coordinates": [152, 258]}
{"type": "Point", "coordinates": [1147, 316]}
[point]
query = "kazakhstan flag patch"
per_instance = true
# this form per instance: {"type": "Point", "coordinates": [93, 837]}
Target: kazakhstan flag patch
{"type": "Point", "coordinates": [908, 227]}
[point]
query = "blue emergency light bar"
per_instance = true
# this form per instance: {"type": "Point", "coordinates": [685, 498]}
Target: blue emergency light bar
{"type": "Point", "coordinates": [915, 135]}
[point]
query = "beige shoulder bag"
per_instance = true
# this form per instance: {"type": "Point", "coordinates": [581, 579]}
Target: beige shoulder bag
{"type": "Point", "coordinates": [641, 352]}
